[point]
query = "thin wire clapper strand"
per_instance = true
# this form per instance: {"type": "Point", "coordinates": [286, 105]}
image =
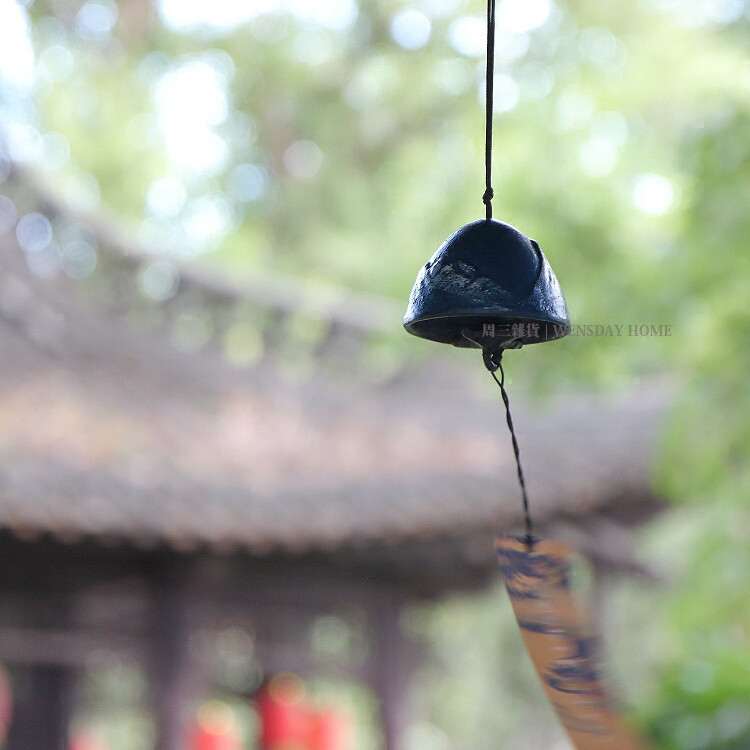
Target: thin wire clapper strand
{"type": "Point", "coordinates": [497, 359]}
{"type": "Point", "coordinates": [493, 361]}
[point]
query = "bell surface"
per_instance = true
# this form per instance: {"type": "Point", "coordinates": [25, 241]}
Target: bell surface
{"type": "Point", "coordinates": [487, 286]}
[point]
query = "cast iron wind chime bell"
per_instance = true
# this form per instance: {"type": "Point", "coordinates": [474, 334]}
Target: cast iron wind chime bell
{"type": "Point", "coordinates": [490, 287]}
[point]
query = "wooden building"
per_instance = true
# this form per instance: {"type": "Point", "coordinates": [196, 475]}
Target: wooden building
{"type": "Point", "coordinates": [175, 458]}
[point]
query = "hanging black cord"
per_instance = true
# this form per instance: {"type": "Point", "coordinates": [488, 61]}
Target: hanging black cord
{"type": "Point", "coordinates": [495, 363]}
{"type": "Point", "coordinates": [489, 193]}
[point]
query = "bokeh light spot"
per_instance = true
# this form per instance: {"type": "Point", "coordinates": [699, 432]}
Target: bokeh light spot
{"type": "Point", "coordinates": [369, 85]}
{"type": "Point", "coordinates": [574, 108]}
{"type": "Point", "coordinates": [454, 76]}
{"type": "Point", "coordinates": [166, 197]}
{"type": "Point", "coordinates": [207, 218]}
{"type": "Point", "coordinates": [243, 344]}
{"type": "Point", "coordinates": [79, 260]}
{"type": "Point", "coordinates": [56, 63]}
{"type": "Point", "coordinates": [536, 80]}
{"type": "Point", "coordinates": [222, 16]}
{"type": "Point", "coordinates": [248, 182]}
{"type": "Point", "coordinates": [16, 52]}
{"type": "Point", "coordinates": [34, 232]}
{"type": "Point", "coordinates": [159, 280]}
{"type": "Point", "coordinates": [522, 15]}
{"type": "Point", "coordinates": [96, 20]}
{"type": "Point", "coordinates": [653, 194]}
{"type": "Point", "coordinates": [506, 93]}
{"type": "Point", "coordinates": [597, 157]}
{"type": "Point", "coordinates": [303, 159]}
{"type": "Point", "coordinates": [190, 101]}
{"type": "Point", "coordinates": [411, 29]}
{"type": "Point", "coordinates": [467, 36]}
{"type": "Point", "coordinates": [216, 717]}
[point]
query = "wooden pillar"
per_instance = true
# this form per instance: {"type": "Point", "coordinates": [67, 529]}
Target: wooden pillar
{"type": "Point", "coordinates": [43, 708]}
{"type": "Point", "coordinates": [44, 688]}
{"type": "Point", "coordinates": [391, 667]}
{"type": "Point", "coordinates": [170, 669]}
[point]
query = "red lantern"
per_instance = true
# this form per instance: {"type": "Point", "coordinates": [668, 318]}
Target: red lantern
{"type": "Point", "coordinates": [215, 728]}
{"type": "Point", "coordinates": [331, 730]}
{"type": "Point", "coordinates": [284, 718]}
{"type": "Point", "coordinates": [86, 741]}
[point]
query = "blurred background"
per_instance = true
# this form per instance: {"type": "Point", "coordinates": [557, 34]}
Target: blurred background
{"type": "Point", "coordinates": [240, 507]}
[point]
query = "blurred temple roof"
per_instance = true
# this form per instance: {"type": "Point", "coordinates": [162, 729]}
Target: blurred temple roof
{"type": "Point", "coordinates": [118, 426]}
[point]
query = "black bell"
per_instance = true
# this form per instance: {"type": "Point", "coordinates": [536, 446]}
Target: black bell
{"type": "Point", "coordinates": [489, 286]}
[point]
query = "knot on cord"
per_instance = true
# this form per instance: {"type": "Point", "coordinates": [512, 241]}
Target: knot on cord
{"type": "Point", "coordinates": [489, 194]}
{"type": "Point", "coordinates": [492, 359]}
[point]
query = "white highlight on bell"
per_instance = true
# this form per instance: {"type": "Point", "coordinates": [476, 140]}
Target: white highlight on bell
{"type": "Point", "coordinates": [653, 194]}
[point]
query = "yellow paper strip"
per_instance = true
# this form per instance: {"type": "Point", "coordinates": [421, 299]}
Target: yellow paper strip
{"type": "Point", "coordinates": [562, 643]}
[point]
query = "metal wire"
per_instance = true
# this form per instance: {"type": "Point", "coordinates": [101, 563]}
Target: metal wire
{"type": "Point", "coordinates": [496, 360]}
